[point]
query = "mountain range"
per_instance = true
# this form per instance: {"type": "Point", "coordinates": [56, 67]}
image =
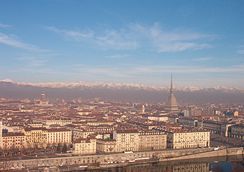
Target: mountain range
{"type": "Point", "coordinates": [119, 92]}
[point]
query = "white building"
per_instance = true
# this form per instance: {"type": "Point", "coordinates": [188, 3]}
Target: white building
{"type": "Point", "coordinates": [85, 146]}
{"type": "Point", "coordinates": [126, 140]}
{"type": "Point", "coordinates": [188, 139]}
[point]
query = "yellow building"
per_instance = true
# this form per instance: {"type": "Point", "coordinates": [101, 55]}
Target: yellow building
{"type": "Point", "coordinates": [106, 146]}
{"type": "Point", "coordinates": [36, 137]}
{"type": "Point", "coordinates": [41, 137]}
{"type": "Point", "coordinates": [59, 135]}
{"type": "Point", "coordinates": [126, 140]}
{"type": "Point", "coordinates": [85, 146]}
{"type": "Point", "coordinates": [81, 133]}
{"type": "Point", "coordinates": [14, 141]}
{"type": "Point", "coordinates": [188, 139]}
{"type": "Point", "coordinates": [152, 141]}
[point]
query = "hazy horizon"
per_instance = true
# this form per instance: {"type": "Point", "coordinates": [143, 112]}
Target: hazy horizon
{"type": "Point", "coordinates": [122, 93]}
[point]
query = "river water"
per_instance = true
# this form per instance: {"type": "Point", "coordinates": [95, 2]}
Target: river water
{"type": "Point", "coordinates": [221, 164]}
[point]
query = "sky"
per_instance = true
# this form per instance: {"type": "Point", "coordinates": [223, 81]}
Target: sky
{"type": "Point", "coordinates": [123, 41]}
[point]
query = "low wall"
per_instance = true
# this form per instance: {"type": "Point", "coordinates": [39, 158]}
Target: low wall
{"type": "Point", "coordinates": [163, 155]}
{"type": "Point", "coordinates": [218, 153]}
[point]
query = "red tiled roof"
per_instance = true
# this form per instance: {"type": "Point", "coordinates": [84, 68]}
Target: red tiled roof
{"type": "Point", "coordinates": [127, 131]}
{"type": "Point", "coordinates": [13, 134]}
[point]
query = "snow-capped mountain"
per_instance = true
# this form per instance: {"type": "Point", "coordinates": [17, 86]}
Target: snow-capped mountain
{"type": "Point", "coordinates": [83, 84]}
{"type": "Point", "coordinates": [119, 92]}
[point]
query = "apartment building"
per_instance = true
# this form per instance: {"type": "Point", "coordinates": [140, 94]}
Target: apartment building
{"type": "Point", "coordinates": [41, 137]}
{"type": "Point", "coordinates": [106, 145]}
{"type": "Point", "coordinates": [126, 140]}
{"type": "Point", "coordinates": [84, 146]}
{"type": "Point", "coordinates": [14, 140]}
{"type": "Point", "coordinates": [59, 135]}
{"type": "Point", "coordinates": [188, 139]}
{"type": "Point", "coordinates": [152, 141]}
{"type": "Point", "coordinates": [36, 137]}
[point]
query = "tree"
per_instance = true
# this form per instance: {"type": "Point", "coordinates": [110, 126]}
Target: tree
{"type": "Point", "coordinates": [65, 148]}
{"type": "Point", "coordinates": [59, 148]}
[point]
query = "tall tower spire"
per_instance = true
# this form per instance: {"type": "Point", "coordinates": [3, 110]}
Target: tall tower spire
{"type": "Point", "coordinates": [172, 105]}
{"type": "Point", "coordinates": [171, 84]}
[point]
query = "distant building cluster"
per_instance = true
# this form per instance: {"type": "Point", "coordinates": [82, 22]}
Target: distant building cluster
{"type": "Point", "coordinates": [97, 126]}
{"type": "Point", "coordinates": [120, 140]}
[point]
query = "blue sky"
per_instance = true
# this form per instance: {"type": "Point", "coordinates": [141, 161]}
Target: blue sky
{"type": "Point", "coordinates": [127, 41]}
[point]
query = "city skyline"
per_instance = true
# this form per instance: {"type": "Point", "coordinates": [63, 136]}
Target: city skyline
{"type": "Point", "coordinates": [201, 42]}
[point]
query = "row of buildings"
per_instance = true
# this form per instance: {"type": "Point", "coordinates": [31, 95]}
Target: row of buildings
{"type": "Point", "coordinates": [225, 129]}
{"type": "Point", "coordinates": [36, 137]}
{"type": "Point", "coordinates": [132, 140]}
{"type": "Point", "coordinates": [120, 140]}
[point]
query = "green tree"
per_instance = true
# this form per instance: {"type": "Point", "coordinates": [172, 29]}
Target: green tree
{"type": "Point", "coordinates": [59, 148]}
{"type": "Point", "coordinates": [65, 148]}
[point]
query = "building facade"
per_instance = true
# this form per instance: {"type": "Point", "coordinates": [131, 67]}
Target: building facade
{"type": "Point", "coordinates": [212, 126]}
{"type": "Point", "coordinates": [59, 135]}
{"type": "Point", "coordinates": [106, 146]}
{"type": "Point", "coordinates": [84, 146]}
{"type": "Point", "coordinates": [237, 131]}
{"type": "Point", "coordinates": [191, 122]}
{"type": "Point", "coordinates": [41, 137]}
{"type": "Point", "coordinates": [14, 141]}
{"type": "Point", "coordinates": [36, 137]}
{"type": "Point", "coordinates": [152, 141]}
{"type": "Point", "coordinates": [126, 140]}
{"type": "Point", "coordinates": [188, 139]}
{"type": "Point", "coordinates": [81, 133]}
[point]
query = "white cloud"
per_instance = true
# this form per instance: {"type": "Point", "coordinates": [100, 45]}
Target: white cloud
{"type": "Point", "coordinates": [116, 40]}
{"type": "Point", "coordinates": [174, 40]}
{"type": "Point", "coordinates": [180, 46]}
{"type": "Point", "coordinates": [135, 36]}
{"type": "Point", "coordinates": [73, 34]}
{"type": "Point", "coordinates": [189, 69]}
{"type": "Point", "coordinates": [156, 32]}
{"type": "Point", "coordinates": [109, 39]}
{"type": "Point", "coordinates": [118, 56]}
{"type": "Point", "coordinates": [2, 25]}
{"type": "Point", "coordinates": [136, 72]}
{"type": "Point", "coordinates": [12, 41]}
{"type": "Point", "coordinates": [201, 59]}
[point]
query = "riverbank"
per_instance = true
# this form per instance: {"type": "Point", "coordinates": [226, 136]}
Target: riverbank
{"type": "Point", "coordinates": [120, 159]}
{"type": "Point", "coordinates": [174, 165]}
